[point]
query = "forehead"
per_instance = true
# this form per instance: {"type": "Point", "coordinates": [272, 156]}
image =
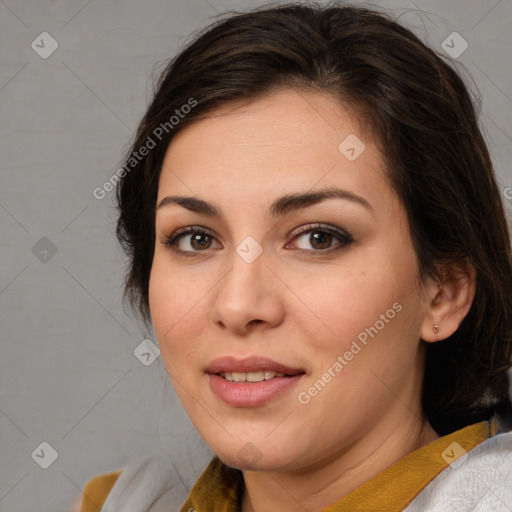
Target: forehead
{"type": "Point", "coordinates": [286, 141]}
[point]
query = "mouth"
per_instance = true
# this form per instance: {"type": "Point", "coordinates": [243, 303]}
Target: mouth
{"type": "Point", "coordinates": [257, 376]}
{"type": "Point", "coordinates": [252, 381]}
{"type": "Point", "coordinates": [251, 369]}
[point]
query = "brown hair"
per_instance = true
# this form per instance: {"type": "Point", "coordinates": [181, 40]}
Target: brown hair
{"type": "Point", "coordinates": [421, 115]}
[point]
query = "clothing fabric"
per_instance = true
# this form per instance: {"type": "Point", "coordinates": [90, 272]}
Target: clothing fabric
{"type": "Point", "coordinates": [482, 482]}
{"type": "Point", "coordinates": [468, 470]}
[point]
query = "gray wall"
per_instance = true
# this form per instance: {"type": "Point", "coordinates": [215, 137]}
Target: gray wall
{"type": "Point", "coordinates": [68, 374]}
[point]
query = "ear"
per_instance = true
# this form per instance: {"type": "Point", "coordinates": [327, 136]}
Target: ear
{"type": "Point", "coordinates": [449, 301]}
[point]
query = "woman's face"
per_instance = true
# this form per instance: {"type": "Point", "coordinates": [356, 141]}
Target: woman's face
{"type": "Point", "coordinates": [261, 288]}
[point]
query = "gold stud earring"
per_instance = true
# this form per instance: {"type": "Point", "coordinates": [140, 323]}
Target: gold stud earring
{"type": "Point", "coordinates": [436, 328]}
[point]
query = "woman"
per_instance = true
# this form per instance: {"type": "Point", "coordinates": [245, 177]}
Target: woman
{"type": "Point", "coordinates": [316, 236]}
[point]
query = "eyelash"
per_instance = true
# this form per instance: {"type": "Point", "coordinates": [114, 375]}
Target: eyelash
{"type": "Point", "coordinates": [344, 238]}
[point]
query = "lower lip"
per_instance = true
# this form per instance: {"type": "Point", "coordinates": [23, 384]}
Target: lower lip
{"type": "Point", "coordinates": [251, 394]}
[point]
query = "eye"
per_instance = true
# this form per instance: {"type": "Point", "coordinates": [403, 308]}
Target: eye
{"type": "Point", "coordinates": [321, 238]}
{"type": "Point", "coordinates": [189, 240]}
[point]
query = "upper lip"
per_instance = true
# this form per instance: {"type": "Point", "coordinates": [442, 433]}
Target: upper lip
{"type": "Point", "coordinates": [249, 364]}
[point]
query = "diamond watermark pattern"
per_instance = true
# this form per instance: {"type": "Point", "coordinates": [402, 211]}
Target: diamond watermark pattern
{"type": "Point", "coordinates": [454, 455]}
{"type": "Point", "coordinates": [146, 352]}
{"type": "Point", "coordinates": [44, 250]}
{"type": "Point", "coordinates": [249, 454]}
{"type": "Point", "coordinates": [454, 45]}
{"type": "Point", "coordinates": [44, 45]}
{"type": "Point", "coordinates": [45, 455]}
{"type": "Point", "coordinates": [249, 249]}
{"type": "Point", "coordinates": [351, 147]}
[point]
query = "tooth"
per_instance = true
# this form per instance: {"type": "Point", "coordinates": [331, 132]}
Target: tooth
{"type": "Point", "coordinates": [251, 376]}
{"type": "Point", "coordinates": [255, 376]}
{"type": "Point", "coordinates": [239, 377]}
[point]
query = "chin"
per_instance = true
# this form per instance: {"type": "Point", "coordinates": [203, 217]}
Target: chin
{"type": "Point", "coordinates": [250, 458]}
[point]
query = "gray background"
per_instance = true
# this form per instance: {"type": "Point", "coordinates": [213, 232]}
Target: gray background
{"type": "Point", "coordinates": [68, 374]}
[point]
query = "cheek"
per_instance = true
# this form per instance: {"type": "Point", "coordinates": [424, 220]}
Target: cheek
{"type": "Point", "coordinates": [369, 317]}
{"type": "Point", "coordinates": [349, 303]}
{"type": "Point", "coordinates": [175, 306]}
{"type": "Point", "coordinates": [161, 299]}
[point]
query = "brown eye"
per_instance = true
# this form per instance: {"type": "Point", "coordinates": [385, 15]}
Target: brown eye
{"type": "Point", "coordinates": [190, 240]}
{"type": "Point", "coordinates": [320, 239]}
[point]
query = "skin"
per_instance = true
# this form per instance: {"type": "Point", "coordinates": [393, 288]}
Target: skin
{"type": "Point", "coordinates": [302, 309]}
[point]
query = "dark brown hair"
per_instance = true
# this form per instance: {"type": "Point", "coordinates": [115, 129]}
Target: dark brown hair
{"type": "Point", "coordinates": [422, 117]}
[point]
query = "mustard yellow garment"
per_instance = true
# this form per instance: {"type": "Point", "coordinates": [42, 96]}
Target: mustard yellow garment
{"type": "Point", "coordinates": [96, 491]}
{"type": "Point", "coordinates": [219, 487]}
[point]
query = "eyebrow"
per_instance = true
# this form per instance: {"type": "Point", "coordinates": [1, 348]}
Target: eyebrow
{"type": "Point", "coordinates": [281, 206]}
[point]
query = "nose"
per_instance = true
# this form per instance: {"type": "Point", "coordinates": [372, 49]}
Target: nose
{"type": "Point", "coordinates": [249, 296]}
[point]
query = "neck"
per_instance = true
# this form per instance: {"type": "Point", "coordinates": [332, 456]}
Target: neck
{"type": "Point", "coordinates": [334, 477]}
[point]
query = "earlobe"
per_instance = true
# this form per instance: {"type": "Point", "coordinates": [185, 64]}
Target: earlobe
{"type": "Point", "coordinates": [450, 301]}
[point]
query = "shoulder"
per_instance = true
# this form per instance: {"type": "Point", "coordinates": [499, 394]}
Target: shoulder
{"type": "Point", "coordinates": [148, 484]}
{"type": "Point", "coordinates": [96, 491]}
{"type": "Point", "coordinates": [480, 481]}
